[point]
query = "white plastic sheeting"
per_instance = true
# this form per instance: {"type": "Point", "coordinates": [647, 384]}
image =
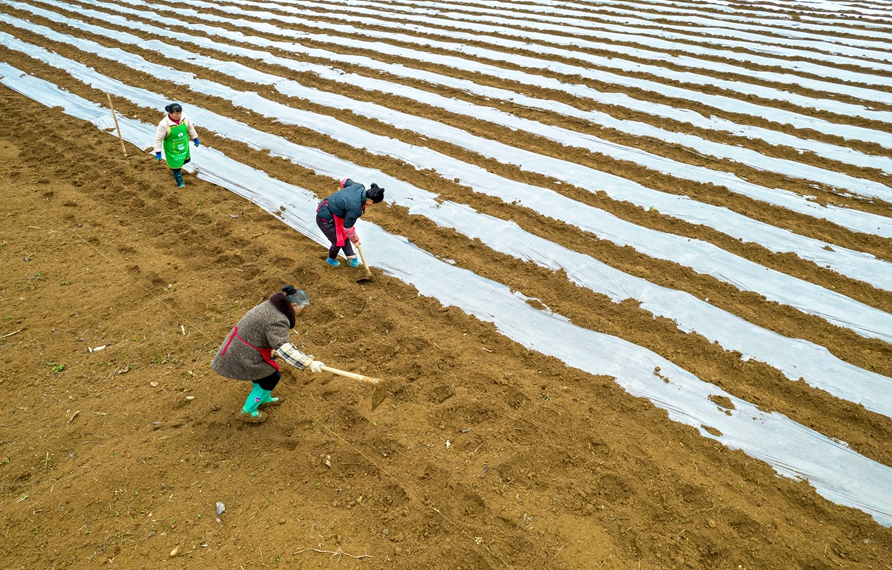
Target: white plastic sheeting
{"type": "Point", "coordinates": [836, 472]}
{"type": "Point", "coordinates": [843, 154]}
{"type": "Point", "coordinates": [750, 35]}
{"type": "Point", "coordinates": [857, 13]}
{"type": "Point", "coordinates": [728, 104]}
{"type": "Point", "coordinates": [833, 152]}
{"type": "Point", "coordinates": [566, 31]}
{"type": "Point", "coordinates": [793, 357]}
{"type": "Point", "coordinates": [851, 219]}
{"type": "Point", "coordinates": [860, 10]}
{"type": "Point", "coordinates": [744, 274]}
{"type": "Point", "coordinates": [838, 107]}
{"type": "Point", "coordinates": [688, 77]}
{"type": "Point", "coordinates": [675, 11]}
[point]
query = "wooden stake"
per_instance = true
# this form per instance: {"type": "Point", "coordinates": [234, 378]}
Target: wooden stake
{"type": "Point", "coordinates": [115, 117]}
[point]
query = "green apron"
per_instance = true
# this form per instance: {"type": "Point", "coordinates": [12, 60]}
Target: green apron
{"type": "Point", "coordinates": [176, 145]}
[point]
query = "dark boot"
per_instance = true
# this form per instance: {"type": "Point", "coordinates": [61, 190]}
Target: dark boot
{"type": "Point", "coordinates": [178, 176]}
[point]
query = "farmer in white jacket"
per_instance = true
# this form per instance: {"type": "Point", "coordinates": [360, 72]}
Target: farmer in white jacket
{"type": "Point", "coordinates": [173, 135]}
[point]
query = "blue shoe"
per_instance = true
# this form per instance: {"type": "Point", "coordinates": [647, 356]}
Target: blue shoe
{"type": "Point", "coordinates": [352, 262]}
{"type": "Point", "coordinates": [332, 262]}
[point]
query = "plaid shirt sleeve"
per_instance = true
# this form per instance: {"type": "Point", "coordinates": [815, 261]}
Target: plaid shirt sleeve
{"type": "Point", "coordinates": [289, 353]}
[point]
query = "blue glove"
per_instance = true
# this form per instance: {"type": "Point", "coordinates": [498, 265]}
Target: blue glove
{"type": "Point", "coordinates": [158, 156]}
{"type": "Point", "coordinates": [197, 142]}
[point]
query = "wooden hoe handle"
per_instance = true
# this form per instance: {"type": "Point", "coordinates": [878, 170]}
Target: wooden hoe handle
{"type": "Point", "coordinates": [359, 377]}
{"type": "Point", "coordinates": [368, 271]}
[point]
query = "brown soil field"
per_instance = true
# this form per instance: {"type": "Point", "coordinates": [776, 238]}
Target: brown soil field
{"type": "Point", "coordinates": [482, 455]}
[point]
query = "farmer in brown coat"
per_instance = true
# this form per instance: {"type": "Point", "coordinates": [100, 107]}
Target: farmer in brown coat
{"type": "Point", "coordinates": [246, 353]}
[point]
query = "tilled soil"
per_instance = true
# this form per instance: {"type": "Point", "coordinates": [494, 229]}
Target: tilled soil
{"type": "Point", "coordinates": [116, 289]}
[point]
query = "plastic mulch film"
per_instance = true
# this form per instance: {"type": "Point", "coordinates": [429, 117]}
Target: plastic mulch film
{"type": "Point", "coordinates": [795, 358]}
{"type": "Point", "coordinates": [837, 473]}
{"type": "Point", "coordinates": [701, 256]}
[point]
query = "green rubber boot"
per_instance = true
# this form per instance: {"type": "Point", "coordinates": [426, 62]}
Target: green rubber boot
{"type": "Point", "coordinates": [178, 176]}
{"type": "Point", "coordinates": [268, 400]}
{"type": "Point", "coordinates": [255, 398]}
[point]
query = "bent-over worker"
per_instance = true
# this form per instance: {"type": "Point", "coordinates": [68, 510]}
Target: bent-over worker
{"type": "Point", "coordinates": [336, 216]}
{"type": "Point", "coordinates": [246, 353]}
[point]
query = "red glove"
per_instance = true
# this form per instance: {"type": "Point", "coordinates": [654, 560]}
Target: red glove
{"type": "Point", "coordinates": [352, 235]}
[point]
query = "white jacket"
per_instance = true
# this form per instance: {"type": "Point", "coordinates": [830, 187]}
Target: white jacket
{"type": "Point", "coordinates": [164, 130]}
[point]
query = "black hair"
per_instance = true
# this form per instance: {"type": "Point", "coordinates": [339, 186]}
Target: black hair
{"type": "Point", "coordinates": [296, 296]}
{"type": "Point", "coordinates": [376, 193]}
{"type": "Point", "coordinates": [174, 108]}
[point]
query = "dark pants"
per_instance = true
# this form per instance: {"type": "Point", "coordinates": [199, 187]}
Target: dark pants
{"type": "Point", "coordinates": [178, 170]}
{"type": "Point", "coordinates": [270, 381]}
{"type": "Point", "coordinates": [328, 228]}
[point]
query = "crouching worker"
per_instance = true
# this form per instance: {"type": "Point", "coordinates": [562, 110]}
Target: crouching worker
{"type": "Point", "coordinates": [246, 353]}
